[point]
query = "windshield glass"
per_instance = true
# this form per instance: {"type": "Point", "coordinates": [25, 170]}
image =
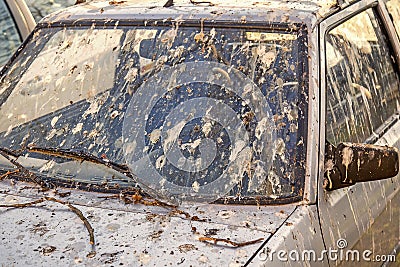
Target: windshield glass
{"type": "Point", "coordinates": [195, 113]}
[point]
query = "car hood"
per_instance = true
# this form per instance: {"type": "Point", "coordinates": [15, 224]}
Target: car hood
{"type": "Point", "coordinates": [129, 234]}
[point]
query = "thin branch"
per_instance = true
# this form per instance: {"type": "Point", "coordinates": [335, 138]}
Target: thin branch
{"type": "Point", "coordinates": [23, 205]}
{"type": "Point", "coordinates": [8, 173]}
{"type": "Point", "coordinates": [71, 207]}
{"type": "Point", "coordinates": [80, 156]}
{"type": "Point", "coordinates": [80, 215]}
{"type": "Point", "coordinates": [215, 241]}
{"type": "Point", "coordinates": [33, 177]}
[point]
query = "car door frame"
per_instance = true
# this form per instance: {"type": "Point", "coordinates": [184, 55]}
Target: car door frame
{"type": "Point", "coordinates": [22, 17]}
{"type": "Point", "coordinates": [342, 215]}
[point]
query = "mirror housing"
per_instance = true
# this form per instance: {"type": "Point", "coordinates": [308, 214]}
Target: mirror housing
{"type": "Point", "coordinates": [351, 163]}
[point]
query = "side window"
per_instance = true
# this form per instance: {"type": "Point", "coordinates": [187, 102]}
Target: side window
{"type": "Point", "coordinates": [9, 36]}
{"type": "Point", "coordinates": [362, 85]}
{"type": "Point", "coordinates": [393, 7]}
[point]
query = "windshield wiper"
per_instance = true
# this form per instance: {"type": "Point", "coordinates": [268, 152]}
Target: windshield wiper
{"type": "Point", "coordinates": [81, 156]}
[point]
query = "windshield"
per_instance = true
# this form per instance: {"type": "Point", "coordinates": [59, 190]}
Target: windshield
{"type": "Point", "coordinates": [195, 113]}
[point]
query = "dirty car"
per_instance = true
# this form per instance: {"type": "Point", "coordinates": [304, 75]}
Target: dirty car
{"type": "Point", "coordinates": [203, 133]}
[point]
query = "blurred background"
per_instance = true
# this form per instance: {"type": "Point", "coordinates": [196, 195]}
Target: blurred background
{"type": "Point", "coordinates": [41, 8]}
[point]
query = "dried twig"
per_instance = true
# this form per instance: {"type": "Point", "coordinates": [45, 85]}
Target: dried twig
{"type": "Point", "coordinates": [186, 214]}
{"type": "Point", "coordinates": [8, 173]}
{"type": "Point", "coordinates": [215, 241]}
{"type": "Point", "coordinates": [137, 198]}
{"type": "Point", "coordinates": [23, 205]}
{"type": "Point", "coordinates": [29, 174]}
{"type": "Point", "coordinates": [71, 207]}
{"type": "Point", "coordinates": [80, 156]}
{"type": "Point", "coordinates": [80, 215]}
{"type": "Point", "coordinates": [179, 212]}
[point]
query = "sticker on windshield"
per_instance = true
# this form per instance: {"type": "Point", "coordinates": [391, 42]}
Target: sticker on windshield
{"type": "Point", "coordinates": [195, 130]}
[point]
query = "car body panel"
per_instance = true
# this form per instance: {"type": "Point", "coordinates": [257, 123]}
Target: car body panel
{"type": "Point", "coordinates": [132, 234]}
{"type": "Point", "coordinates": [300, 235]}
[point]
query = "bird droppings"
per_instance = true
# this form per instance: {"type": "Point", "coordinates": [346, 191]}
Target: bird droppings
{"type": "Point", "coordinates": [46, 251]}
{"type": "Point", "coordinates": [187, 247]}
{"type": "Point", "coordinates": [203, 259]}
{"type": "Point", "coordinates": [144, 258]}
{"type": "Point", "coordinates": [77, 128]}
{"type": "Point", "coordinates": [226, 214]}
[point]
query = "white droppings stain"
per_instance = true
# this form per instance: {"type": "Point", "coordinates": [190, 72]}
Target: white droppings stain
{"type": "Point", "coordinates": [51, 134]}
{"type": "Point", "coordinates": [63, 142]}
{"type": "Point", "coordinates": [162, 182]}
{"type": "Point", "coordinates": [363, 90]}
{"type": "Point", "coordinates": [239, 146]}
{"type": "Point", "coordinates": [267, 58]}
{"type": "Point", "coordinates": [155, 136]}
{"type": "Point", "coordinates": [8, 130]}
{"type": "Point", "coordinates": [93, 109]}
{"type": "Point", "coordinates": [347, 158]}
{"type": "Point", "coordinates": [248, 88]}
{"type": "Point", "coordinates": [54, 120]}
{"type": "Point", "coordinates": [114, 114]}
{"type": "Point", "coordinates": [196, 186]}
{"type": "Point", "coordinates": [60, 81]}
{"type": "Point", "coordinates": [144, 258]}
{"type": "Point", "coordinates": [78, 128]}
{"type": "Point", "coordinates": [172, 135]}
{"type": "Point", "coordinates": [281, 215]}
{"type": "Point", "coordinates": [131, 75]}
{"type": "Point", "coordinates": [226, 214]}
{"type": "Point", "coordinates": [80, 77]}
{"type": "Point", "coordinates": [47, 166]}
{"type": "Point", "coordinates": [293, 114]}
{"type": "Point", "coordinates": [220, 73]}
{"type": "Point", "coordinates": [9, 199]}
{"type": "Point", "coordinates": [280, 146]}
{"type": "Point", "coordinates": [203, 259]}
{"type": "Point", "coordinates": [241, 253]}
{"type": "Point", "coordinates": [206, 129]}
{"type": "Point", "coordinates": [113, 227]}
{"type": "Point", "coordinates": [160, 162]}
{"type": "Point", "coordinates": [261, 128]}
{"type": "Point", "coordinates": [279, 82]}
{"type": "Point", "coordinates": [191, 146]}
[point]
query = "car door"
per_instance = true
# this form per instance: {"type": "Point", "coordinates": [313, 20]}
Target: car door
{"type": "Point", "coordinates": [16, 23]}
{"type": "Point", "coordinates": [360, 104]}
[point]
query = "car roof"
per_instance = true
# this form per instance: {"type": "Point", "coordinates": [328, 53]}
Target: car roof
{"type": "Point", "coordinates": [289, 11]}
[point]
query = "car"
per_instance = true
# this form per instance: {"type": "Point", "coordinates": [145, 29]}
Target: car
{"type": "Point", "coordinates": [16, 23]}
{"type": "Point", "coordinates": [203, 133]}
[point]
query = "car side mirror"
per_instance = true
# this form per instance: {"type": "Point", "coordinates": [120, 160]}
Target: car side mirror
{"type": "Point", "coordinates": [351, 163]}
